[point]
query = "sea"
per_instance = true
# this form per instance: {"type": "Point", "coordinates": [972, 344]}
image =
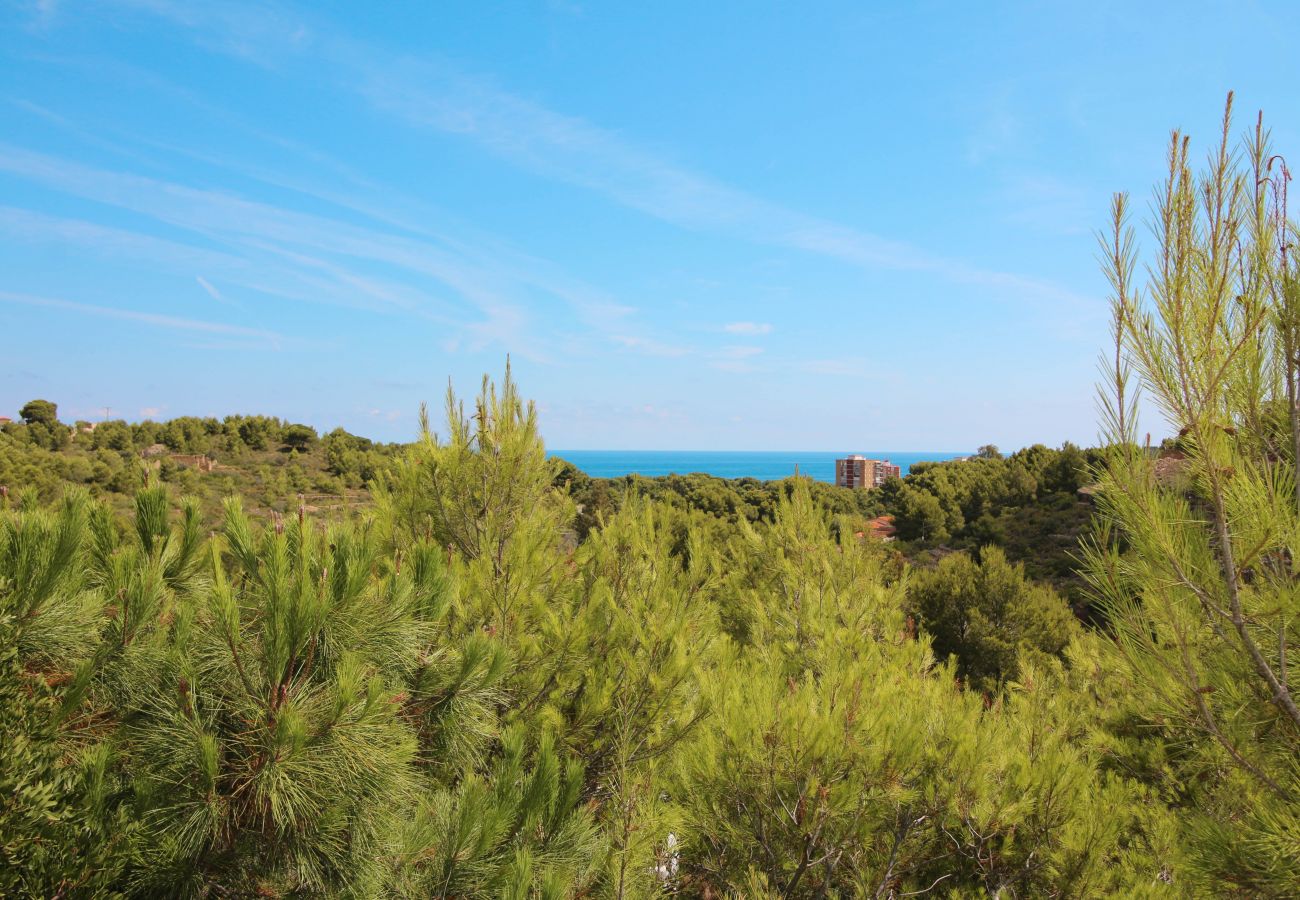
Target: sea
{"type": "Point", "coordinates": [765, 465]}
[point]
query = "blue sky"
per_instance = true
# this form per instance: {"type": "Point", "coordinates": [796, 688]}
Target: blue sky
{"type": "Point", "coordinates": [833, 226]}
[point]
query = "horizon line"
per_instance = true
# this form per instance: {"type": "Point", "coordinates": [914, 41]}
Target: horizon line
{"type": "Point", "coordinates": [693, 450]}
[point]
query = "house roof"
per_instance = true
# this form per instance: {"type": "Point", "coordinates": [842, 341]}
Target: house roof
{"type": "Point", "coordinates": [882, 527]}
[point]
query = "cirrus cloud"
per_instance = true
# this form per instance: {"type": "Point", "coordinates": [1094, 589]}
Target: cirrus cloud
{"type": "Point", "coordinates": [750, 328]}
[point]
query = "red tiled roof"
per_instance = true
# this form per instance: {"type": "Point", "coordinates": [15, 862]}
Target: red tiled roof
{"type": "Point", "coordinates": [882, 527]}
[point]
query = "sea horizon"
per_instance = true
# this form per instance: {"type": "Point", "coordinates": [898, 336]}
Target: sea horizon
{"type": "Point", "coordinates": [764, 465]}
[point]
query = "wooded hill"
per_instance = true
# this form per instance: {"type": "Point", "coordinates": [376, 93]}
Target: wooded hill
{"type": "Point", "coordinates": [1027, 504]}
{"type": "Point", "coordinates": [272, 464]}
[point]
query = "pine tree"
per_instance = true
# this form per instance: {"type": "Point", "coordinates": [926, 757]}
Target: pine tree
{"type": "Point", "coordinates": [261, 730]}
{"type": "Point", "coordinates": [487, 494]}
{"type": "Point", "coordinates": [43, 586]}
{"type": "Point", "coordinates": [989, 615]}
{"type": "Point", "coordinates": [53, 839]}
{"type": "Point", "coordinates": [517, 830]}
{"type": "Point", "coordinates": [631, 694]}
{"type": "Point", "coordinates": [1197, 570]}
{"type": "Point", "coordinates": [841, 760]}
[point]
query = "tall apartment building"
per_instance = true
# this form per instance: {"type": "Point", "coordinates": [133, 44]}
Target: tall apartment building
{"type": "Point", "coordinates": [859, 472]}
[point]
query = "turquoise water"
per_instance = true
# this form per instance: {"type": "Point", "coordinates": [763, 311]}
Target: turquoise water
{"type": "Point", "coordinates": [764, 465]}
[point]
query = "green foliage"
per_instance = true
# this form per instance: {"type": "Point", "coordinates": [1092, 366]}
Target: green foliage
{"type": "Point", "coordinates": [114, 435]}
{"type": "Point", "coordinates": [186, 435]}
{"type": "Point", "coordinates": [50, 844]}
{"type": "Point", "coordinates": [919, 516]}
{"type": "Point", "coordinates": [264, 739]}
{"type": "Point", "coordinates": [52, 839]}
{"type": "Point", "coordinates": [988, 615]}
{"type": "Point", "coordinates": [488, 493]}
{"type": "Point", "coordinates": [43, 584]}
{"type": "Point", "coordinates": [731, 500]}
{"type": "Point", "coordinates": [1027, 504]}
{"type": "Point", "coordinates": [40, 412]}
{"type": "Point", "coordinates": [504, 678]}
{"type": "Point", "coordinates": [644, 630]}
{"type": "Point", "coordinates": [840, 761]}
{"type": "Point", "coordinates": [256, 432]}
{"type": "Point", "coordinates": [1195, 562]}
{"type": "Point", "coordinates": [519, 832]}
{"type": "Point", "coordinates": [298, 437]}
{"type": "Point", "coordinates": [42, 427]}
{"type": "Point", "coordinates": [355, 459]}
{"type": "Point", "coordinates": [331, 474]}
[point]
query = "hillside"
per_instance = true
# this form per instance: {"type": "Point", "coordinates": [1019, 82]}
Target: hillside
{"type": "Point", "coordinates": [272, 464]}
{"type": "Point", "coordinates": [1026, 503]}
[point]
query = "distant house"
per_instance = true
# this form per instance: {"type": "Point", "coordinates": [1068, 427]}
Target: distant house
{"type": "Point", "coordinates": [882, 528]}
{"type": "Point", "coordinates": [155, 453]}
{"type": "Point", "coordinates": [1171, 468]}
{"type": "Point", "coordinates": [859, 472]}
{"type": "Point", "coordinates": [5, 420]}
{"type": "Point", "coordinates": [201, 462]}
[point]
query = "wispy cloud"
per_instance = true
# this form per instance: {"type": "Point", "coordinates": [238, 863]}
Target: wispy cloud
{"type": "Point", "coordinates": [43, 13]}
{"type": "Point", "coordinates": [28, 225]}
{"type": "Point", "coordinates": [1047, 203]}
{"type": "Point", "coordinates": [736, 358]}
{"type": "Point", "coordinates": [297, 254]}
{"type": "Point", "coordinates": [650, 346]}
{"type": "Point", "coordinates": [847, 366]}
{"type": "Point", "coordinates": [434, 94]}
{"type": "Point", "coordinates": [572, 150]}
{"type": "Point", "coordinates": [211, 291]}
{"type": "Point", "coordinates": [730, 358]}
{"type": "Point", "coordinates": [150, 412]}
{"type": "Point", "coordinates": [260, 272]}
{"type": "Point", "coordinates": [89, 136]}
{"type": "Point", "coordinates": [153, 319]}
{"type": "Point", "coordinates": [747, 328]}
{"type": "Point", "coordinates": [229, 218]}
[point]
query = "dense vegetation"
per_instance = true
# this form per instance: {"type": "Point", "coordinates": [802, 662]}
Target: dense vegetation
{"type": "Point", "coordinates": [448, 697]}
{"type": "Point", "coordinates": [274, 465]}
{"type": "Point", "coordinates": [1027, 504]}
{"type": "Point", "coordinates": [496, 678]}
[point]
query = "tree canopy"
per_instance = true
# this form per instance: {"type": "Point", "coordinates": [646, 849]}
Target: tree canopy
{"type": "Point", "coordinates": [39, 412]}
